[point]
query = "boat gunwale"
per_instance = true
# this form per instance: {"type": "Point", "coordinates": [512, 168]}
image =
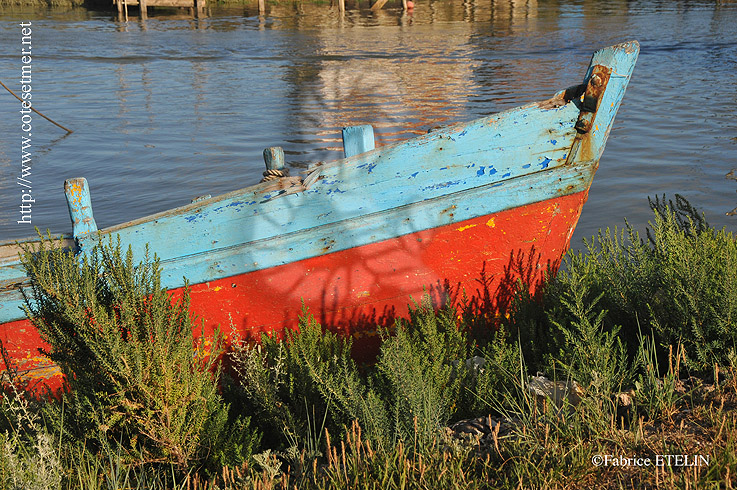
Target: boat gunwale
{"type": "Point", "coordinates": [290, 185]}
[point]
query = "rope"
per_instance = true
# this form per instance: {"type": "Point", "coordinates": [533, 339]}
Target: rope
{"type": "Point", "coordinates": [34, 110]}
{"type": "Point", "coordinates": [275, 174]}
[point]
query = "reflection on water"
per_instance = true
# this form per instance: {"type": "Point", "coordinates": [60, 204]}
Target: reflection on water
{"type": "Point", "coordinates": [174, 107]}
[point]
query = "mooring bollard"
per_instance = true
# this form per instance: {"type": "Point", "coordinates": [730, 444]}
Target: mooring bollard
{"type": "Point", "coordinates": [274, 160]}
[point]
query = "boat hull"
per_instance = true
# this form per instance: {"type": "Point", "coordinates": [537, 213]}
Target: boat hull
{"type": "Point", "coordinates": [464, 211]}
{"type": "Point", "coordinates": [353, 291]}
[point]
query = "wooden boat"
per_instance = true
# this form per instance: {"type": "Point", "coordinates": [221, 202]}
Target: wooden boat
{"type": "Point", "coordinates": [466, 209]}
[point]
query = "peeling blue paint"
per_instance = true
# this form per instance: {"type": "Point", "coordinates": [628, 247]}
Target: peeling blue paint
{"type": "Point", "coordinates": [555, 142]}
{"type": "Point", "coordinates": [527, 166]}
{"type": "Point", "coordinates": [463, 133]}
{"type": "Point", "coordinates": [413, 175]}
{"type": "Point", "coordinates": [544, 164]}
{"type": "Point", "coordinates": [441, 185]}
{"type": "Point", "coordinates": [506, 175]}
{"type": "Point", "coordinates": [480, 171]}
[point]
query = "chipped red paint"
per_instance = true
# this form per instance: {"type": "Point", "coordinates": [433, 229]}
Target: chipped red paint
{"type": "Point", "coordinates": [355, 288]}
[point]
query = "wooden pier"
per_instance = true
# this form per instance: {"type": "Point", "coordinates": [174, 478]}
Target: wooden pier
{"type": "Point", "coordinates": [197, 7]}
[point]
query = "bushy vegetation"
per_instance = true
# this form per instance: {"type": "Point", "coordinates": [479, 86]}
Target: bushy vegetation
{"type": "Point", "coordinates": [635, 338]}
{"type": "Point", "coordinates": [678, 284]}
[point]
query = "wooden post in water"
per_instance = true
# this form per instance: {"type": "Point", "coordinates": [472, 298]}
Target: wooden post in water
{"type": "Point", "coordinates": [261, 7]}
{"type": "Point", "coordinates": [143, 8]}
{"type": "Point", "coordinates": [79, 203]}
{"type": "Point", "coordinates": [199, 7]}
{"type": "Point", "coordinates": [119, 4]}
{"type": "Point", "coordinates": [358, 139]}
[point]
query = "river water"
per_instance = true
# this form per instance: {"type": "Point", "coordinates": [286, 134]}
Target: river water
{"type": "Point", "coordinates": [169, 108]}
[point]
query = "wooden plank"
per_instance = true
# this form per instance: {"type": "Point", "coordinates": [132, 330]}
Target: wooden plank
{"type": "Point", "coordinates": [79, 202]}
{"type": "Point", "coordinates": [378, 4]}
{"type": "Point", "coordinates": [446, 161]}
{"type": "Point", "coordinates": [357, 140]}
{"type": "Point", "coordinates": [9, 250]}
{"type": "Point", "coordinates": [169, 3]}
{"type": "Point", "coordinates": [347, 234]}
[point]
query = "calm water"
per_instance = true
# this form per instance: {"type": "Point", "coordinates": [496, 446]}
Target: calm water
{"type": "Point", "coordinates": [171, 108]}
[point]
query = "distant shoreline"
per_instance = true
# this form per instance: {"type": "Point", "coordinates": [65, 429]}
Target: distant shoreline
{"type": "Point", "coordinates": [106, 5]}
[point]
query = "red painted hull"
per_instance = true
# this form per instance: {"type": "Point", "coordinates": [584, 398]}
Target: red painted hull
{"type": "Point", "coordinates": [356, 289]}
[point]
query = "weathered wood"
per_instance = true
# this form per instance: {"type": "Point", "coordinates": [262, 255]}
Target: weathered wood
{"type": "Point", "coordinates": [358, 139]}
{"type": "Point", "coordinates": [200, 8]}
{"type": "Point", "coordinates": [274, 158]}
{"type": "Point", "coordinates": [143, 7]}
{"type": "Point", "coordinates": [261, 7]}
{"type": "Point", "coordinates": [341, 5]}
{"type": "Point", "coordinates": [378, 4]}
{"type": "Point", "coordinates": [168, 3]}
{"type": "Point", "coordinates": [487, 152]}
{"type": "Point", "coordinates": [79, 203]}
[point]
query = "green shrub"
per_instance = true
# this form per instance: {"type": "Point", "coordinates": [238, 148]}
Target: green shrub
{"type": "Point", "coordinates": [415, 373]}
{"type": "Point", "coordinates": [136, 375]}
{"type": "Point", "coordinates": [679, 285]}
{"type": "Point", "coordinates": [408, 395]}
{"type": "Point", "coordinates": [591, 355]}
{"type": "Point", "coordinates": [278, 377]}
